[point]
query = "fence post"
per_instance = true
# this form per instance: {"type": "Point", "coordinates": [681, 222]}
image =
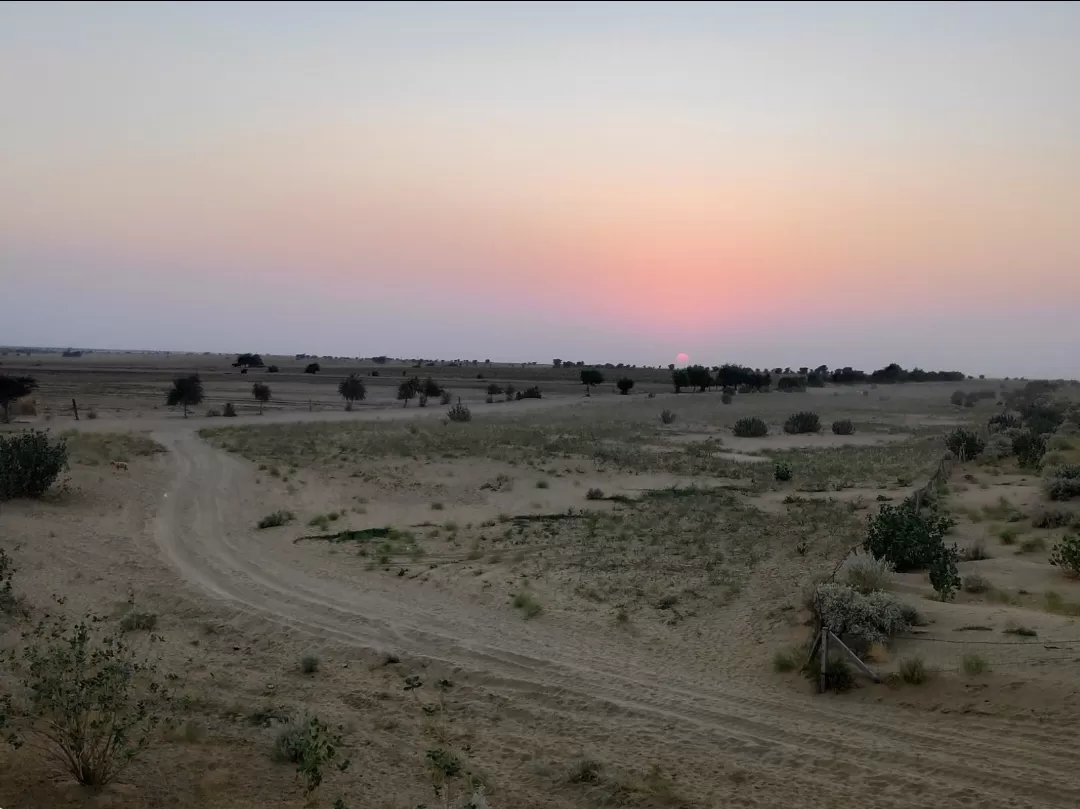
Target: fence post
{"type": "Point", "coordinates": [824, 649]}
{"type": "Point", "coordinates": [75, 407]}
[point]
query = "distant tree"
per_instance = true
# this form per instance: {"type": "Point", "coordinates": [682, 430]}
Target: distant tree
{"type": "Point", "coordinates": [680, 379]}
{"type": "Point", "coordinates": [312, 368]}
{"type": "Point", "coordinates": [408, 390]}
{"type": "Point", "coordinates": [380, 360]}
{"type": "Point", "coordinates": [12, 388]}
{"type": "Point", "coordinates": [352, 389]}
{"type": "Point", "coordinates": [494, 390]}
{"type": "Point", "coordinates": [625, 384]}
{"type": "Point", "coordinates": [186, 391]}
{"type": "Point", "coordinates": [557, 363]}
{"type": "Point", "coordinates": [431, 388]}
{"type": "Point", "coordinates": [590, 377]}
{"type": "Point", "coordinates": [671, 366]}
{"type": "Point", "coordinates": [248, 361]}
{"type": "Point", "coordinates": [273, 369]}
{"type": "Point", "coordinates": [261, 393]}
{"type": "Point", "coordinates": [700, 377]}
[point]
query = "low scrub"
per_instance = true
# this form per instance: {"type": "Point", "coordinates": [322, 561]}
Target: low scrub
{"type": "Point", "coordinates": [863, 618]}
{"type": "Point", "coordinates": [1066, 556]}
{"type": "Point", "coordinates": [594, 494]}
{"type": "Point", "coordinates": [1063, 482]}
{"type": "Point", "coordinates": [974, 664]}
{"type": "Point", "coordinates": [30, 462]}
{"type": "Point", "coordinates": [136, 620]}
{"type": "Point", "coordinates": [726, 398]}
{"type": "Point", "coordinates": [964, 444]}
{"type": "Point", "coordinates": [865, 573]}
{"type": "Point", "coordinates": [527, 603]}
{"type": "Point", "coordinates": [843, 427]}
{"type": "Point", "coordinates": [914, 671]}
{"type": "Point", "coordinates": [750, 427]}
{"type": "Point", "coordinates": [1000, 422]}
{"type": "Point", "coordinates": [459, 413]}
{"type": "Point", "coordinates": [999, 447]}
{"type": "Point", "coordinates": [838, 674]}
{"type": "Point", "coordinates": [1044, 517]}
{"type": "Point", "coordinates": [976, 583]}
{"type": "Point", "coordinates": [277, 519]}
{"type": "Point", "coordinates": [785, 660]}
{"type": "Point", "coordinates": [802, 422]}
{"type": "Point", "coordinates": [530, 393]}
{"type": "Point", "coordinates": [1029, 447]}
{"type": "Point", "coordinates": [666, 416]}
{"type": "Point", "coordinates": [782, 471]}
{"type": "Point", "coordinates": [908, 538]}
{"type": "Point", "coordinates": [309, 664]}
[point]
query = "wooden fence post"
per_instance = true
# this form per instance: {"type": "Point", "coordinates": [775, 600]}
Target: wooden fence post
{"type": "Point", "coordinates": [824, 658]}
{"type": "Point", "coordinates": [75, 407]}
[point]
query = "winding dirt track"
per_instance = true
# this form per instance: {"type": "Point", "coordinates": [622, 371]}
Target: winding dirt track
{"type": "Point", "coordinates": [798, 749]}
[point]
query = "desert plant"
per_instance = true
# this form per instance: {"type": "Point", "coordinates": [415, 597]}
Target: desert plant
{"type": "Point", "coordinates": [589, 378]}
{"type": "Point", "coordinates": [312, 746]}
{"type": "Point", "coordinates": [908, 538]}
{"type": "Point", "coordinates": [186, 391]}
{"type": "Point", "coordinates": [1000, 422]}
{"type": "Point", "coordinates": [625, 385]}
{"type": "Point", "coordinates": [261, 393]}
{"type": "Point", "coordinates": [1044, 517]}
{"type": "Point", "coordinates": [138, 621]}
{"type": "Point", "coordinates": [964, 444]}
{"type": "Point", "coordinates": [422, 400]}
{"type": "Point", "coordinates": [585, 771]}
{"type": "Point", "coordinates": [726, 397]}
{"type": "Point", "coordinates": [494, 390]}
{"type": "Point", "coordinates": [785, 660]}
{"type": "Point", "coordinates": [277, 519]}
{"type": "Point", "coordinates": [9, 602]}
{"type": "Point", "coordinates": [1066, 556]}
{"type": "Point", "coordinates": [1063, 482]}
{"type": "Point", "coordinates": [431, 388]}
{"type": "Point", "coordinates": [459, 412]}
{"type": "Point", "coordinates": [309, 664]}
{"type": "Point", "coordinates": [913, 671]}
{"type": "Point", "coordinates": [975, 552]}
{"type": "Point", "coordinates": [1029, 448]}
{"type": "Point", "coordinates": [999, 447]}
{"type": "Point", "coordinates": [957, 398]}
{"type": "Point", "coordinates": [838, 674]}
{"type": "Point", "coordinates": [750, 427]}
{"type": "Point", "coordinates": [13, 388]}
{"type": "Point", "coordinates": [312, 368]}
{"type": "Point", "coordinates": [272, 369]}
{"type": "Point", "coordinates": [527, 603]}
{"type": "Point", "coordinates": [444, 397]}
{"type": "Point", "coordinates": [782, 471]}
{"type": "Point", "coordinates": [490, 399]}
{"type": "Point", "coordinates": [594, 494]}
{"type": "Point", "coordinates": [865, 618]}
{"type": "Point", "coordinates": [944, 576]}
{"type": "Point", "coordinates": [843, 427]}
{"type": "Point", "coordinates": [229, 410]}
{"type": "Point", "coordinates": [976, 583]}
{"type": "Point", "coordinates": [408, 389]}
{"type": "Point", "coordinates": [974, 664]}
{"type": "Point", "coordinates": [802, 422]}
{"type": "Point", "coordinates": [352, 389]}
{"type": "Point", "coordinates": [865, 573]}
{"type": "Point", "coordinates": [666, 416]}
{"type": "Point", "coordinates": [86, 699]}
{"type": "Point", "coordinates": [680, 379]}
{"type": "Point", "coordinates": [530, 393]}
{"type": "Point", "coordinates": [30, 462]}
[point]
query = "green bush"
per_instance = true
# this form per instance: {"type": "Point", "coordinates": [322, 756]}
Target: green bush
{"type": "Point", "coordinates": [943, 573]}
{"type": "Point", "coordinates": [913, 671]}
{"type": "Point", "coordinates": [865, 573]}
{"type": "Point", "coordinates": [1063, 482]}
{"type": "Point", "coordinates": [459, 412]}
{"type": "Point", "coordinates": [1066, 555]}
{"type": "Point", "coordinates": [863, 618]}
{"type": "Point", "coordinates": [782, 471]}
{"type": "Point", "coordinates": [910, 539]}
{"type": "Point", "coordinates": [802, 422]}
{"type": "Point", "coordinates": [277, 519]}
{"type": "Point", "coordinates": [726, 398]}
{"type": "Point", "coordinates": [999, 447]}
{"type": "Point", "coordinates": [964, 444]}
{"type": "Point", "coordinates": [1029, 447]}
{"type": "Point", "coordinates": [843, 427]}
{"type": "Point", "coordinates": [1000, 422]}
{"type": "Point", "coordinates": [30, 463]}
{"type": "Point", "coordinates": [838, 674]}
{"type": "Point", "coordinates": [750, 427]}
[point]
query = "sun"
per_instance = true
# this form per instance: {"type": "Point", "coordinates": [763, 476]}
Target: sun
{"type": "Point", "coordinates": [682, 358]}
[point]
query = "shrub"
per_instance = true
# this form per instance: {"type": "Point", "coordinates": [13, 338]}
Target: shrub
{"type": "Point", "coordinates": [666, 416]}
{"type": "Point", "coordinates": [866, 619]}
{"type": "Point", "coordinates": [271, 369]}
{"type": "Point", "coordinates": [1029, 447]}
{"type": "Point", "coordinates": [352, 389]}
{"type": "Point", "coordinates": [838, 674]}
{"type": "Point", "coordinates": [913, 671]}
{"type": "Point", "coordinates": [782, 471]}
{"type": "Point", "coordinates": [408, 389]}
{"type": "Point", "coordinates": [594, 494]}
{"type": "Point", "coordinates": [910, 539]}
{"type": "Point", "coordinates": [1063, 483]}
{"type": "Point", "coordinates": [261, 393]}
{"type": "Point", "coordinates": [229, 411]}
{"type": "Point", "coordinates": [30, 463]}
{"type": "Point", "coordinates": [726, 397]}
{"type": "Point", "coordinates": [312, 368]}
{"type": "Point", "coordinates": [311, 746]}
{"type": "Point", "coordinates": [494, 390]}
{"type": "Point", "coordinates": [490, 400]}
{"type": "Point", "coordinates": [91, 413]}
{"type": "Point", "coordinates": [86, 699]}
{"type": "Point", "coordinates": [527, 603]}
{"type": "Point", "coordinates": [276, 519]}
{"type": "Point", "coordinates": [309, 664]}
{"type": "Point", "coordinates": [784, 660]}
{"type": "Point", "coordinates": [999, 422]}
{"type": "Point", "coordinates": [974, 664]}
{"type": "Point", "coordinates": [187, 391]}
{"type": "Point", "coordinates": [843, 427]}
{"type": "Point", "coordinates": [976, 552]}
{"type": "Point", "coordinates": [585, 771]}
{"type": "Point", "coordinates": [9, 602]}
{"type": "Point", "coordinates": [13, 388]}
{"type": "Point", "coordinates": [976, 583]}
{"type": "Point", "coordinates": [422, 400]}
{"type": "Point", "coordinates": [134, 621]}
{"type": "Point", "coordinates": [288, 746]}
{"type": "Point", "coordinates": [430, 388]}
{"type": "Point", "coordinates": [589, 378]}
{"type": "Point", "coordinates": [444, 397]}
{"type": "Point", "coordinates": [957, 398]}
{"type": "Point", "coordinates": [625, 385]}
{"type": "Point", "coordinates": [964, 444]}
{"type": "Point", "coordinates": [803, 422]}
{"type": "Point", "coordinates": [530, 393]}
{"type": "Point", "coordinates": [459, 412]}
{"type": "Point", "coordinates": [750, 427]}
{"type": "Point", "coordinates": [943, 573]}
{"type": "Point", "coordinates": [1066, 555]}
{"type": "Point", "coordinates": [1052, 518]}
{"type": "Point", "coordinates": [999, 447]}
{"type": "Point", "coordinates": [865, 573]}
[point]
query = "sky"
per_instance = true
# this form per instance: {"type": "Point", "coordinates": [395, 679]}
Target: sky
{"type": "Point", "coordinates": [764, 183]}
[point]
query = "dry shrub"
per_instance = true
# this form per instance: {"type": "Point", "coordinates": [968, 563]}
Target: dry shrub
{"type": "Point", "coordinates": [865, 573]}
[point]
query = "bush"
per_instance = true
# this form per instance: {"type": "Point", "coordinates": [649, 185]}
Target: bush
{"type": "Point", "coordinates": [1063, 483]}
{"type": "Point", "coordinates": [1029, 447]}
{"type": "Point", "coordinates": [408, 389]}
{"type": "Point", "coordinates": [229, 411]}
{"type": "Point", "coordinates": [594, 494]}
{"type": "Point", "coordinates": [666, 416]}
{"type": "Point", "coordinates": [1066, 555]}
{"type": "Point", "coordinates": [865, 619]}
{"type": "Point", "coordinates": [459, 412]}
{"type": "Point", "coordinates": [964, 444]}
{"type": "Point", "coordinates": [187, 391]}
{"type": "Point", "coordinates": [976, 552]}
{"type": "Point", "coordinates": [9, 602]}
{"type": "Point", "coordinates": [585, 771]}
{"type": "Point", "coordinates": [135, 621]}
{"type": "Point", "coordinates": [782, 471]}
{"type": "Point", "coordinates": [86, 699]}
{"type": "Point", "coordinates": [957, 398]}
{"type": "Point", "coordinates": [352, 389]}
{"type": "Point", "coordinates": [838, 674]}
{"type": "Point", "coordinates": [976, 583]}
{"type": "Point", "coordinates": [913, 671]}
{"type": "Point", "coordinates": [1053, 518]}
{"type": "Point", "coordinates": [494, 390]}
{"type": "Point", "coordinates": [999, 447]}
{"type": "Point", "coordinates": [30, 463]}
{"type": "Point", "coordinates": [974, 664]}
{"type": "Point", "coordinates": [309, 664]}
{"type": "Point", "coordinates": [430, 388]}
{"type": "Point", "coordinates": [910, 539]}
{"type": "Point", "coordinates": [13, 388]}
{"type": "Point", "coordinates": [312, 368]}
{"type": "Point", "coordinates": [803, 422]}
{"type": "Point", "coordinates": [784, 661]}
{"type": "Point", "coordinates": [444, 397]}
{"type": "Point", "coordinates": [261, 393]}
{"type": "Point", "coordinates": [530, 393]}
{"type": "Point", "coordinates": [271, 369]}
{"type": "Point", "coordinates": [750, 427]}
{"type": "Point", "coordinates": [310, 745]}
{"type": "Point", "coordinates": [91, 413]}
{"type": "Point", "coordinates": [943, 573]}
{"type": "Point", "coordinates": [422, 401]}
{"type": "Point", "coordinates": [1000, 422]}
{"type": "Point", "coordinates": [843, 427]}
{"type": "Point", "coordinates": [625, 385]}
{"type": "Point", "coordinates": [527, 603]}
{"type": "Point", "coordinates": [865, 573]}
{"type": "Point", "coordinates": [276, 519]}
{"type": "Point", "coordinates": [726, 397]}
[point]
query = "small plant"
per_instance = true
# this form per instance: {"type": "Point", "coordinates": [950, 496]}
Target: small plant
{"type": "Point", "coordinates": [782, 471]}
{"type": "Point", "coordinates": [91, 413]}
{"type": "Point", "coordinates": [843, 427]}
{"type": "Point", "coordinates": [135, 620]}
{"type": "Point", "coordinates": [312, 368]}
{"type": "Point", "coordinates": [30, 463]}
{"type": "Point", "coordinates": [277, 519]}
{"type": "Point", "coordinates": [1000, 422]}
{"type": "Point", "coordinates": [976, 583]}
{"type": "Point", "coordinates": [974, 664]}
{"type": "Point", "coordinates": [187, 391]}
{"type": "Point", "coordinates": [229, 411]}
{"type": "Point", "coordinates": [352, 389]}
{"type": "Point", "coordinates": [957, 398]}
{"type": "Point", "coordinates": [802, 422]}
{"type": "Point", "coordinates": [437, 506]}
{"type": "Point", "coordinates": [625, 385]}
{"type": "Point", "coordinates": [944, 576]}
{"type": "Point", "coordinates": [1008, 534]}
{"type": "Point", "coordinates": [585, 771]}
{"type": "Point", "coordinates": [838, 674]}
{"type": "Point", "coordinates": [999, 447]}
{"type": "Point", "coordinates": [865, 619]}
{"type": "Point", "coordinates": [309, 664]}
{"type": "Point", "coordinates": [494, 390]}
{"type": "Point", "coordinates": [272, 369]}
{"type": "Point", "coordinates": [1029, 447]}
{"type": "Point", "coordinates": [1063, 482]}
{"type": "Point", "coordinates": [750, 427]}
{"type": "Point", "coordinates": [666, 416]}
{"type": "Point", "coordinates": [1066, 556]}
{"type": "Point", "coordinates": [964, 444]}
{"type": "Point", "coordinates": [865, 573]}
{"type": "Point", "coordinates": [1032, 544]}
{"type": "Point", "coordinates": [444, 397]}
{"type": "Point", "coordinates": [459, 413]}
{"type": "Point", "coordinates": [913, 671]}
{"type": "Point", "coordinates": [590, 377]}
{"type": "Point", "coordinates": [1021, 630]}
{"type": "Point", "coordinates": [784, 661]}
{"type": "Point", "coordinates": [976, 552]}
{"type": "Point", "coordinates": [594, 494]}
{"type": "Point", "coordinates": [311, 746]}
{"type": "Point", "coordinates": [1053, 518]}
{"type": "Point", "coordinates": [527, 603]}
{"type": "Point", "coordinates": [726, 397]}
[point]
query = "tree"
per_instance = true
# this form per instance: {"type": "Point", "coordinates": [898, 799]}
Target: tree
{"type": "Point", "coordinates": [431, 388]}
{"type": "Point", "coordinates": [408, 390]}
{"type": "Point", "coordinates": [13, 388]}
{"type": "Point", "coordinates": [556, 363]}
{"type": "Point", "coordinates": [625, 384]}
{"type": "Point", "coordinates": [700, 377]}
{"type": "Point", "coordinates": [352, 389]}
{"type": "Point", "coordinates": [262, 393]}
{"type": "Point", "coordinates": [248, 361]}
{"type": "Point", "coordinates": [590, 377]}
{"type": "Point", "coordinates": [186, 391]}
{"type": "Point", "coordinates": [312, 368]}
{"type": "Point", "coordinates": [680, 379]}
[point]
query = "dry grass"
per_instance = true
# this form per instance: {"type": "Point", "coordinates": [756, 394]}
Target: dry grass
{"type": "Point", "coordinates": [94, 449]}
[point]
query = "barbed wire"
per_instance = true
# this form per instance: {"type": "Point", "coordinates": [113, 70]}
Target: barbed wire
{"type": "Point", "coordinates": [1046, 644]}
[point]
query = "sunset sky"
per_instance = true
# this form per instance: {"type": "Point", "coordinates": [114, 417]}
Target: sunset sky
{"type": "Point", "coordinates": [766, 183]}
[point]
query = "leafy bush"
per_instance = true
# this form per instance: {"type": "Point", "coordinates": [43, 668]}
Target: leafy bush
{"type": "Point", "coordinates": [1063, 482]}
{"type": "Point", "coordinates": [408, 389]}
{"type": "Point", "coordinates": [422, 401]}
{"type": "Point", "coordinates": [494, 390]}
{"type": "Point", "coordinates": [838, 674]}
{"type": "Point", "coordinates": [352, 389]}
{"type": "Point", "coordinates": [910, 539]}
{"type": "Point", "coordinates": [964, 444]}
{"type": "Point", "coordinates": [943, 573]}
{"type": "Point", "coordinates": [913, 671]}
{"type": "Point", "coordinates": [530, 393]}
{"type": "Point", "coordinates": [782, 471]}
{"type": "Point", "coordinates": [865, 573]}
{"type": "Point", "coordinates": [843, 427]}
{"type": "Point", "coordinates": [589, 378]}
{"type": "Point", "coordinates": [229, 411]}
{"type": "Point", "coordinates": [312, 368]}
{"type": "Point", "coordinates": [187, 391]}
{"type": "Point", "coordinates": [430, 388]}
{"type": "Point", "coordinates": [13, 388]}
{"type": "Point", "coordinates": [726, 397]}
{"type": "Point", "coordinates": [312, 746]}
{"type": "Point", "coordinates": [271, 369]}
{"type": "Point", "coordinates": [802, 422]}
{"type": "Point", "coordinates": [785, 660]}
{"type": "Point", "coordinates": [459, 412]}
{"type": "Point", "coordinates": [957, 398]}
{"type": "Point", "coordinates": [976, 552]}
{"type": "Point", "coordinates": [261, 393]}
{"type": "Point", "coordinates": [666, 416]}
{"type": "Point", "coordinates": [864, 618]}
{"type": "Point", "coordinates": [86, 699]}
{"type": "Point", "coordinates": [1000, 422]}
{"type": "Point", "coordinates": [750, 427]}
{"type": "Point", "coordinates": [625, 385]}
{"type": "Point", "coordinates": [1066, 555]}
{"type": "Point", "coordinates": [276, 519]}
{"type": "Point", "coordinates": [30, 463]}
{"type": "Point", "coordinates": [1029, 447]}
{"type": "Point", "coordinates": [594, 494]}
{"type": "Point", "coordinates": [999, 447]}
{"type": "Point", "coordinates": [527, 603]}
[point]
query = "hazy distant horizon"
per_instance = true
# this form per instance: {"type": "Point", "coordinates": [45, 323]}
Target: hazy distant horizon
{"type": "Point", "coordinates": [762, 183]}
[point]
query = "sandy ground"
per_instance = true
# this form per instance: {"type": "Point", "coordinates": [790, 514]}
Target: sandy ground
{"type": "Point", "coordinates": [686, 715]}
